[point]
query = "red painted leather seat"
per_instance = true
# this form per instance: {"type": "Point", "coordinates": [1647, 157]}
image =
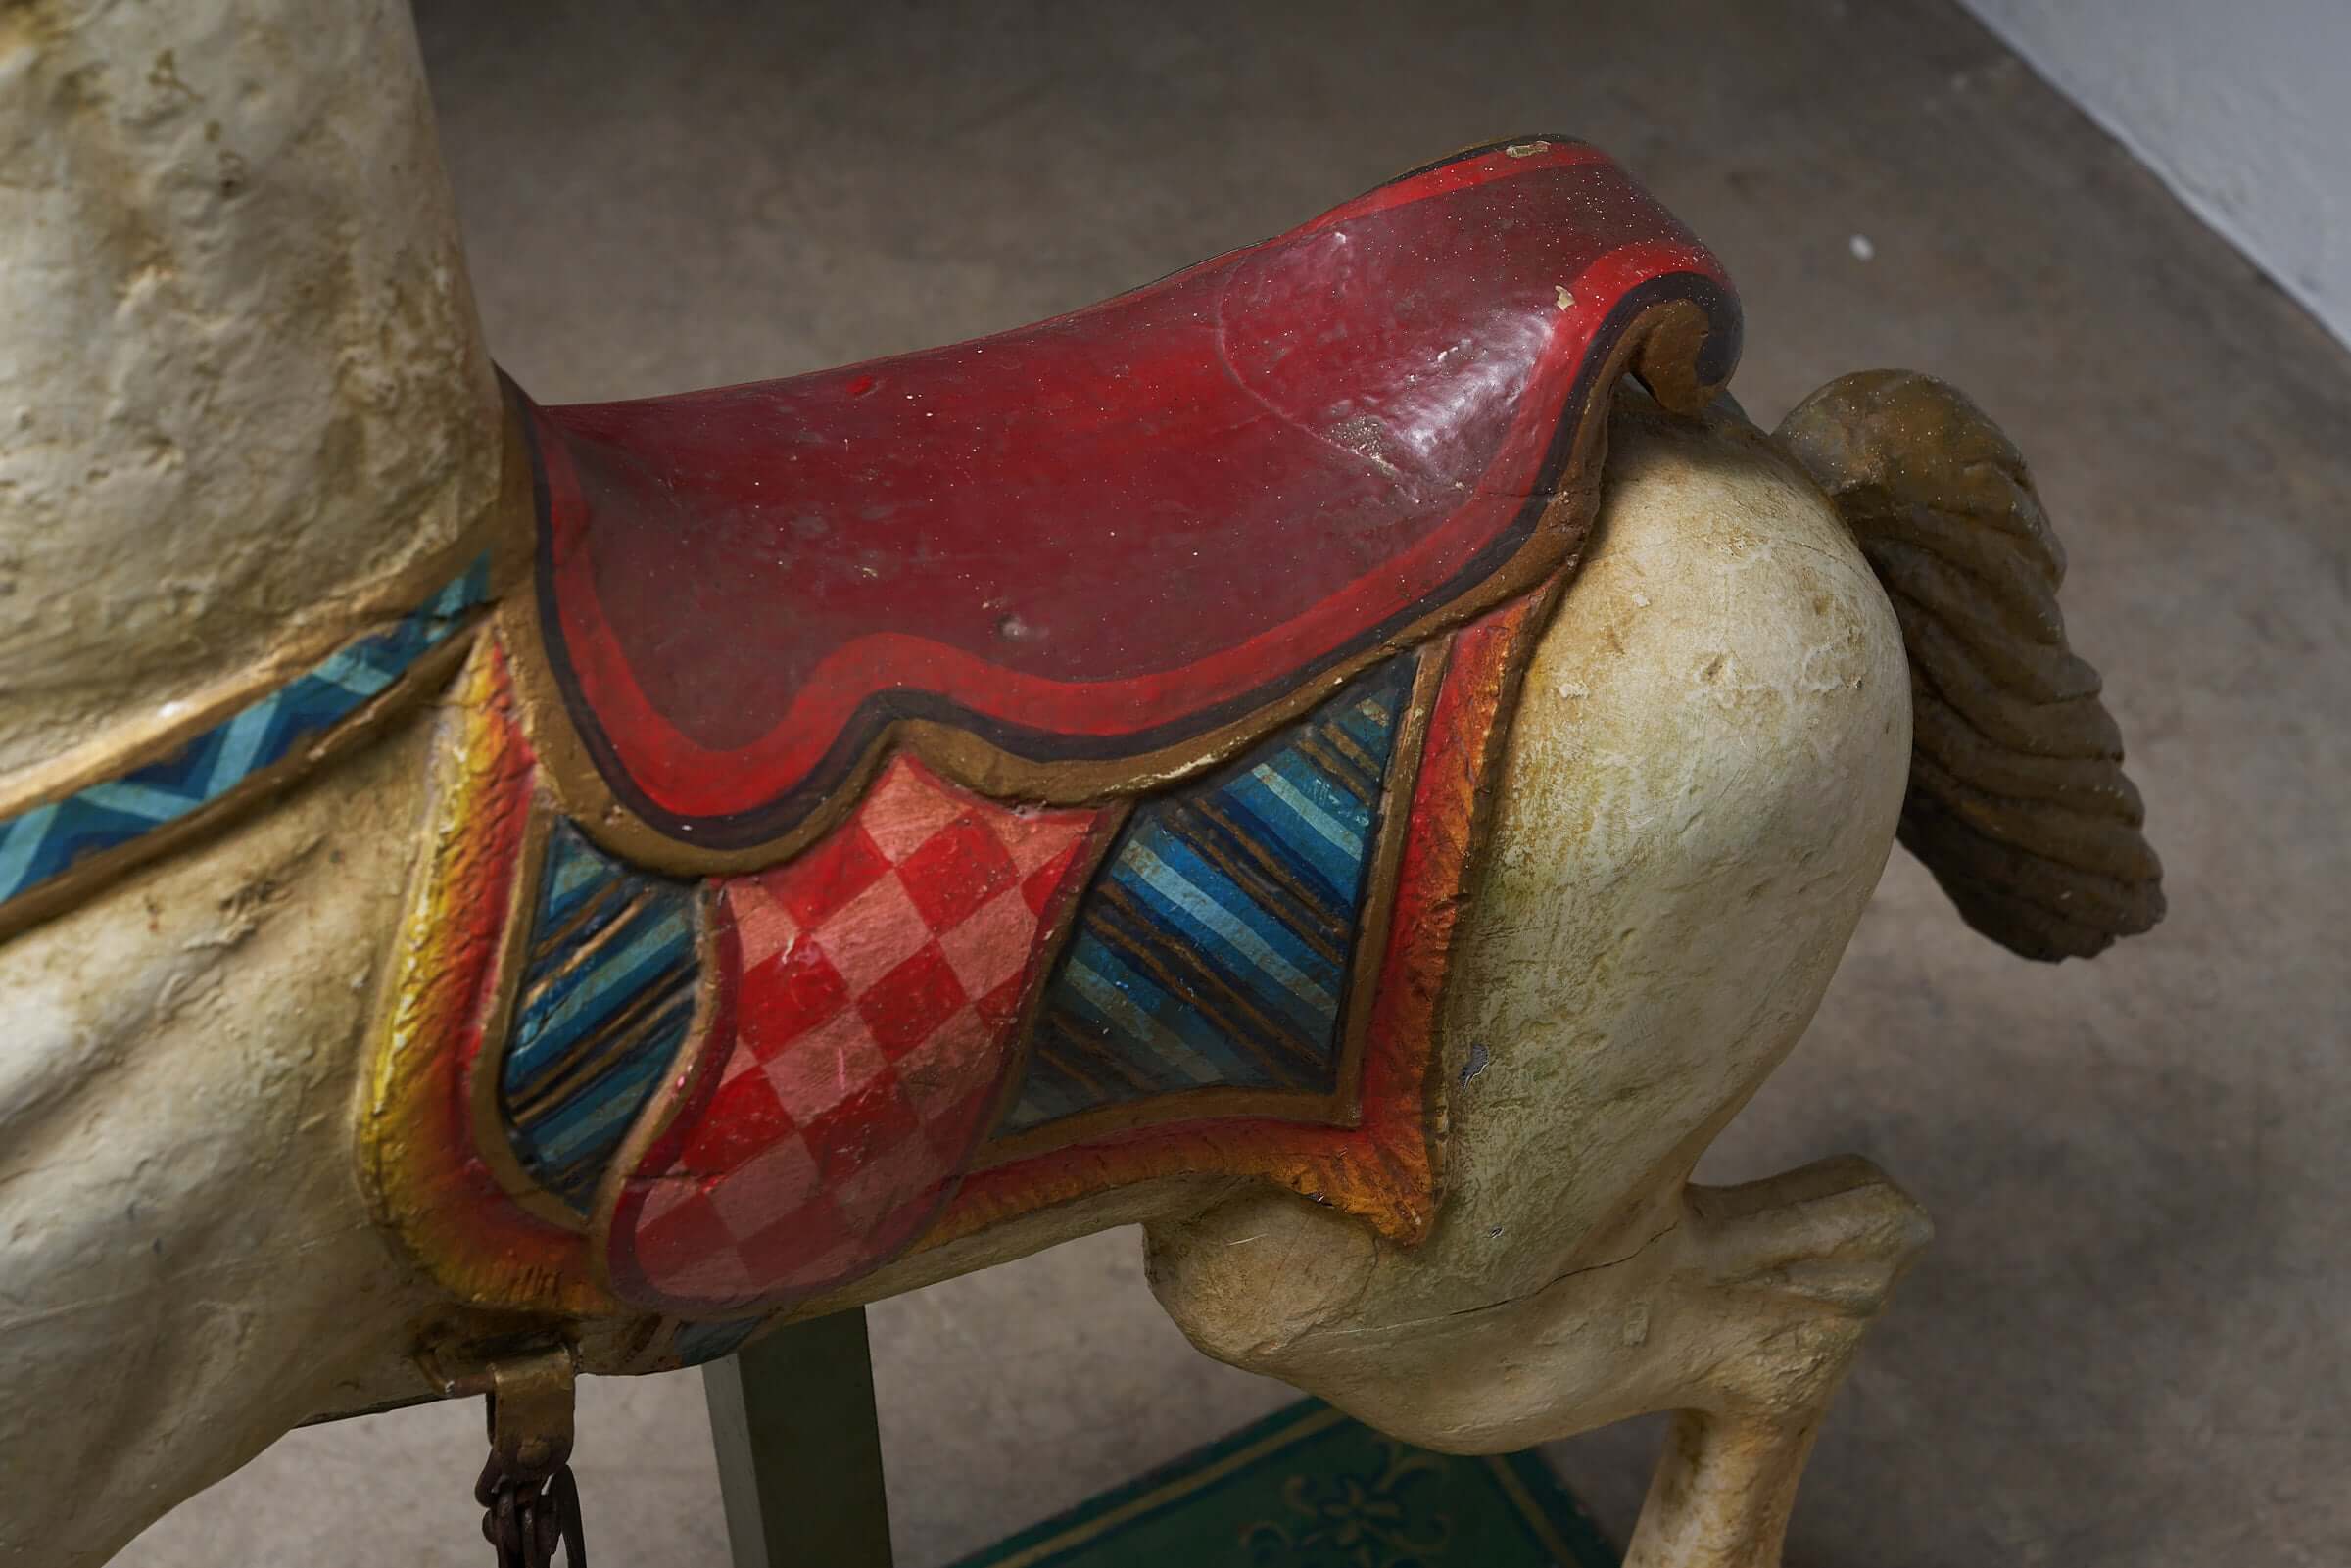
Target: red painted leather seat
{"type": "Point", "coordinates": [1085, 553]}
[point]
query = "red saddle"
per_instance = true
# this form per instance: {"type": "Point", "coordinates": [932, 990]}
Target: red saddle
{"type": "Point", "coordinates": [1073, 558]}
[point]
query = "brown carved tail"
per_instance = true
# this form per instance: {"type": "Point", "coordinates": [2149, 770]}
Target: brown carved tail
{"type": "Point", "coordinates": [2018, 802]}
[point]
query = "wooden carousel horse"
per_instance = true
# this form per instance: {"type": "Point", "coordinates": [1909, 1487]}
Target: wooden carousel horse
{"type": "Point", "coordinates": [1356, 756]}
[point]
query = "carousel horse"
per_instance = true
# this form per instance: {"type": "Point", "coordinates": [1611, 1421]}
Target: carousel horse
{"type": "Point", "coordinates": [1356, 757]}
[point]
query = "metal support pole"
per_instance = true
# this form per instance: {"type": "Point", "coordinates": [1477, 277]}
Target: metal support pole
{"type": "Point", "coordinates": [799, 1449]}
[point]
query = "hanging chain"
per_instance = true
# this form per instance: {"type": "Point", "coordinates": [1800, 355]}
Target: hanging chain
{"type": "Point", "coordinates": [526, 1519]}
{"type": "Point", "coordinates": [530, 1502]}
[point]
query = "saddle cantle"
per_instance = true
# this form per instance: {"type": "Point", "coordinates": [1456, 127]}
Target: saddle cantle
{"type": "Point", "coordinates": [1084, 557]}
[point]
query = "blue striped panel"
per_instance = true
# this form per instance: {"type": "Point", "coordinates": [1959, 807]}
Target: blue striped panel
{"type": "Point", "coordinates": [1214, 947]}
{"type": "Point", "coordinates": [45, 842]}
{"type": "Point", "coordinates": [605, 1000]}
{"type": "Point", "coordinates": [697, 1343]}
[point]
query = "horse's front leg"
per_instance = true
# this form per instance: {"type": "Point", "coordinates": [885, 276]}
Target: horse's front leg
{"type": "Point", "coordinates": [186, 1266]}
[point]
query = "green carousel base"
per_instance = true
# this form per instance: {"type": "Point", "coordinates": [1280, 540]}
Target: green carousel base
{"type": "Point", "coordinates": [1308, 1488]}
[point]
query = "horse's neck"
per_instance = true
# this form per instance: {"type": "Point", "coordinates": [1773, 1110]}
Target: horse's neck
{"type": "Point", "coordinates": [244, 405]}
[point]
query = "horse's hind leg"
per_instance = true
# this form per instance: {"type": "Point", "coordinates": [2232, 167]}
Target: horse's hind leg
{"type": "Point", "coordinates": [1700, 791]}
{"type": "Point", "coordinates": [1790, 1271]}
{"type": "Point", "coordinates": [1740, 1307]}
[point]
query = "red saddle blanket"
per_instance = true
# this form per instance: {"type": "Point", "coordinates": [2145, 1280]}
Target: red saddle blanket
{"type": "Point", "coordinates": [1069, 559]}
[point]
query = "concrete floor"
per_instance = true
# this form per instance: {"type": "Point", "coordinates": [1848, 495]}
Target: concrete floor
{"type": "Point", "coordinates": [2129, 1345]}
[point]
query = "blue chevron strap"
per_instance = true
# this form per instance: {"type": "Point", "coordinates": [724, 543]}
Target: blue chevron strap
{"type": "Point", "coordinates": [1215, 945]}
{"type": "Point", "coordinates": [43, 843]}
{"type": "Point", "coordinates": [605, 1000]}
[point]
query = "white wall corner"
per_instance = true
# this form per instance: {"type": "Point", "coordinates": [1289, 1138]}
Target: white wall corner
{"type": "Point", "coordinates": [2242, 109]}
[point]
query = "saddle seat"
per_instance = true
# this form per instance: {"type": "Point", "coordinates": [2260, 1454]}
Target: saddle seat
{"type": "Point", "coordinates": [1080, 558]}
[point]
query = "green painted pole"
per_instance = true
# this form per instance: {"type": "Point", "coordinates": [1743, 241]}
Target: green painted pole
{"type": "Point", "coordinates": [799, 1449]}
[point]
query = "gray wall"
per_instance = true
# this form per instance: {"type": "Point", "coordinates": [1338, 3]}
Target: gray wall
{"type": "Point", "coordinates": [2243, 107]}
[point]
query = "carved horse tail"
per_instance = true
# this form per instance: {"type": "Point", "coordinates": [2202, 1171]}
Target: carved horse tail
{"type": "Point", "coordinates": [2018, 802]}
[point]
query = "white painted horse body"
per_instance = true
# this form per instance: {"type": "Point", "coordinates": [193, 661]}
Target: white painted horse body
{"type": "Point", "coordinates": [267, 370]}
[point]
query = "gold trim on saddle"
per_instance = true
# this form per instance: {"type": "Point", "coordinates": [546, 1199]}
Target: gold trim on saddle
{"type": "Point", "coordinates": [420, 1154]}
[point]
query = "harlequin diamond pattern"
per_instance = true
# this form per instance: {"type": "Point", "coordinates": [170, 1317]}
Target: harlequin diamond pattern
{"type": "Point", "coordinates": [881, 974]}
